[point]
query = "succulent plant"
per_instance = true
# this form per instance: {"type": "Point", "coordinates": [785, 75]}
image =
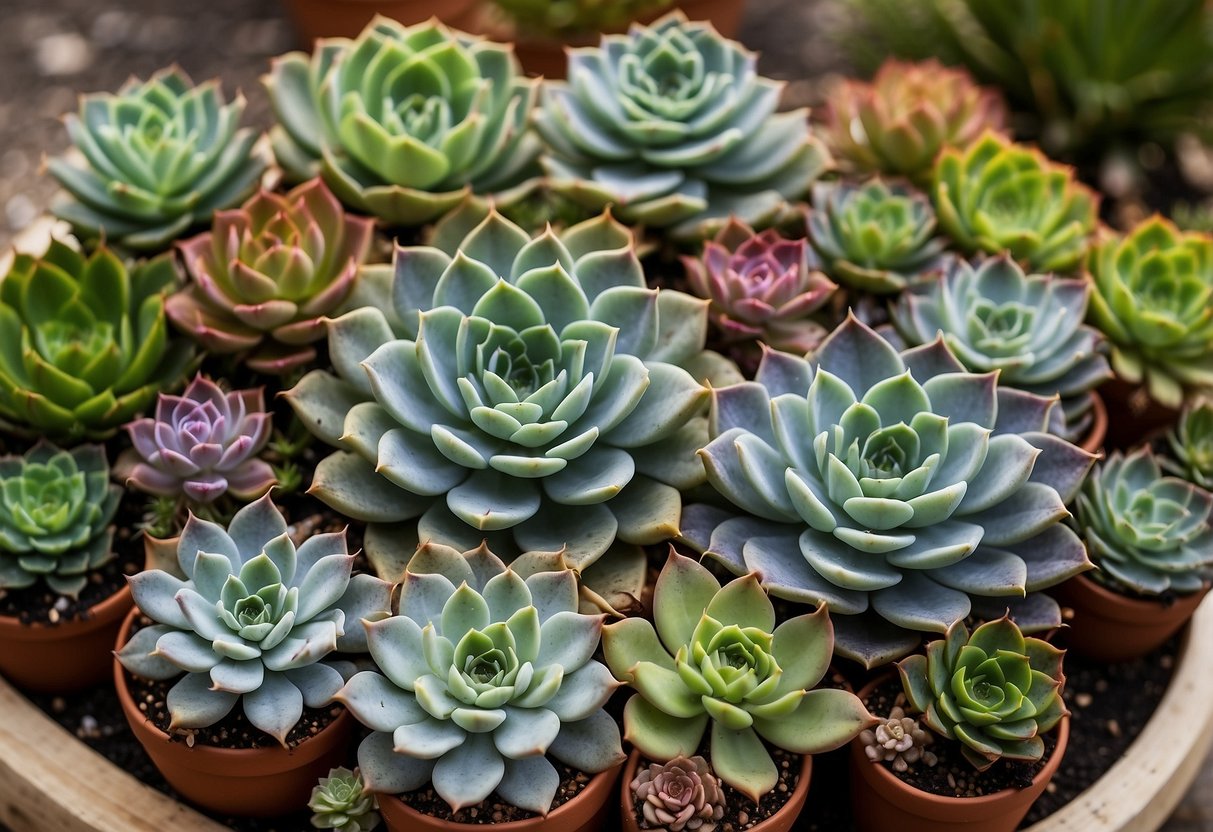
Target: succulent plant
{"type": "Point", "coordinates": [252, 617]}
{"type": "Point", "coordinates": [998, 196]}
{"type": "Point", "coordinates": [1192, 445]}
{"type": "Point", "coordinates": [1147, 533]}
{"type": "Point", "coordinates": [1027, 327]}
{"type": "Point", "coordinates": [900, 741]}
{"type": "Point", "coordinates": [994, 691]}
{"type": "Point", "coordinates": [404, 121]}
{"type": "Point", "coordinates": [266, 275]}
{"type": "Point", "coordinates": [896, 488]}
{"type": "Point", "coordinates": [899, 121]}
{"type": "Point", "coordinates": [762, 287]}
{"type": "Point", "coordinates": [874, 236]}
{"type": "Point", "coordinates": [672, 125]}
{"type": "Point", "coordinates": [525, 376]}
{"type": "Point", "coordinates": [200, 445]}
{"type": "Point", "coordinates": [56, 507]}
{"type": "Point", "coordinates": [484, 673]}
{"type": "Point", "coordinates": [716, 656]}
{"type": "Point", "coordinates": [565, 18]}
{"type": "Point", "coordinates": [86, 342]}
{"type": "Point", "coordinates": [158, 158]}
{"type": "Point", "coordinates": [340, 803]}
{"type": "Point", "coordinates": [682, 794]}
{"type": "Point", "coordinates": [1152, 295]}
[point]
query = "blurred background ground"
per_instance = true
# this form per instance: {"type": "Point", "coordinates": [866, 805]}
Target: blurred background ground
{"type": "Point", "coordinates": [52, 49]}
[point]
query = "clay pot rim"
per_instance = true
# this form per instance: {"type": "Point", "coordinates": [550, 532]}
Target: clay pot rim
{"type": "Point", "coordinates": [1098, 431]}
{"type": "Point", "coordinates": [1121, 607]}
{"type": "Point", "coordinates": [100, 615]}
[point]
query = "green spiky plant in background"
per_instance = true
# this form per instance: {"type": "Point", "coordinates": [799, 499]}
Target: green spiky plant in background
{"type": "Point", "coordinates": [562, 19]}
{"type": "Point", "coordinates": [1191, 445]}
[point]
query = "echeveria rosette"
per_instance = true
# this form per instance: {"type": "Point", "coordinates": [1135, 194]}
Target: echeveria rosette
{"type": "Point", "coordinates": [1028, 327]}
{"type": "Point", "coordinates": [532, 393]}
{"type": "Point", "coordinates": [761, 287]}
{"type": "Point", "coordinates": [484, 674]}
{"type": "Point", "coordinates": [994, 691]}
{"type": "Point", "coordinates": [1147, 533]}
{"type": "Point", "coordinates": [158, 158]}
{"type": "Point", "coordinates": [681, 794]}
{"type": "Point", "coordinates": [403, 122]}
{"type": "Point", "coordinates": [715, 662]}
{"type": "Point", "coordinates": [1152, 295]}
{"type": "Point", "coordinates": [340, 802]}
{"type": "Point", "coordinates": [56, 507]}
{"type": "Point", "coordinates": [896, 488]}
{"type": "Point", "coordinates": [1000, 196]}
{"type": "Point", "coordinates": [251, 617]}
{"type": "Point", "coordinates": [1192, 445]}
{"type": "Point", "coordinates": [200, 445]}
{"type": "Point", "coordinates": [266, 275]}
{"type": "Point", "coordinates": [84, 342]}
{"type": "Point", "coordinates": [873, 236]}
{"type": "Point", "coordinates": [898, 122]}
{"type": "Point", "coordinates": [671, 125]}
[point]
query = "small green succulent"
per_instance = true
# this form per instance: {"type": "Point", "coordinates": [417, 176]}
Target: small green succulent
{"type": "Point", "coordinates": [874, 236]}
{"type": "Point", "coordinates": [1192, 445]}
{"type": "Point", "coordinates": [672, 125]}
{"type": "Point", "coordinates": [56, 508]}
{"type": "Point", "coordinates": [339, 802]}
{"type": "Point", "coordinates": [994, 691]}
{"type": "Point", "coordinates": [1152, 295]}
{"type": "Point", "coordinates": [1147, 533]}
{"type": "Point", "coordinates": [999, 196]}
{"type": "Point", "coordinates": [403, 122]}
{"type": "Point", "coordinates": [157, 158]}
{"type": "Point", "coordinates": [484, 673]}
{"type": "Point", "coordinates": [716, 656]}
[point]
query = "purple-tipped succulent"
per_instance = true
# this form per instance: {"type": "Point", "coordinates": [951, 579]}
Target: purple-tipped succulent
{"type": "Point", "coordinates": [201, 444]}
{"type": "Point", "coordinates": [762, 287]}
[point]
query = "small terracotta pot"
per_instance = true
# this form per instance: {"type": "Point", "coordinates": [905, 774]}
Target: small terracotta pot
{"type": "Point", "coordinates": [1111, 627]}
{"type": "Point", "coordinates": [258, 782]}
{"type": "Point", "coordinates": [1098, 431]}
{"type": "Point", "coordinates": [346, 18]}
{"type": "Point", "coordinates": [65, 657]}
{"type": "Point", "coordinates": [781, 821]}
{"type": "Point", "coordinates": [881, 801]}
{"type": "Point", "coordinates": [1133, 417]}
{"type": "Point", "coordinates": [584, 813]}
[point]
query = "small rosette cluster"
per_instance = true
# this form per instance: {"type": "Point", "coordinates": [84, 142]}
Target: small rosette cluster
{"type": "Point", "coordinates": [1192, 445]}
{"type": "Point", "coordinates": [994, 691]}
{"type": "Point", "coordinates": [341, 803]}
{"type": "Point", "coordinates": [900, 741]}
{"type": "Point", "coordinates": [265, 276]}
{"type": "Point", "coordinates": [251, 618]}
{"type": "Point", "coordinates": [673, 126]}
{"type": "Point", "coordinates": [681, 794]}
{"type": "Point", "coordinates": [484, 673]}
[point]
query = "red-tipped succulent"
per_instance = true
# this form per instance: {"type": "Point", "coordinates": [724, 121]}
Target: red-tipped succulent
{"type": "Point", "coordinates": [200, 445]}
{"type": "Point", "coordinates": [265, 276]}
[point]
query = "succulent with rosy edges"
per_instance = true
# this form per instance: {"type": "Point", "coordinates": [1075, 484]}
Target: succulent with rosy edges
{"type": "Point", "coordinates": [1192, 445]}
{"type": "Point", "coordinates": [900, 741]}
{"type": "Point", "coordinates": [267, 274]}
{"type": "Point", "coordinates": [681, 794]}
{"type": "Point", "coordinates": [341, 803]}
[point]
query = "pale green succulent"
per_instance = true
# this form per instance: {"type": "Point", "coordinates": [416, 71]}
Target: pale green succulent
{"type": "Point", "coordinates": [339, 802]}
{"type": "Point", "coordinates": [716, 662]}
{"type": "Point", "coordinates": [485, 673]}
{"type": "Point", "coordinates": [1192, 445]}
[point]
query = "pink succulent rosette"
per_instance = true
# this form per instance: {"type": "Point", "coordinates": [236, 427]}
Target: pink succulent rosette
{"type": "Point", "coordinates": [265, 277]}
{"type": "Point", "coordinates": [201, 444]}
{"type": "Point", "coordinates": [762, 287]}
{"type": "Point", "coordinates": [682, 794]}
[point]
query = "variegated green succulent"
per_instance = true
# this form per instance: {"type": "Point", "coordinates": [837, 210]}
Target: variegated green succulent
{"type": "Point", "coordinates": [1192, 445]}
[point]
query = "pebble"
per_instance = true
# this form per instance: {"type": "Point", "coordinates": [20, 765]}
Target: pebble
{"type": "Point", "coordinates": [63, 53]}
{"type": "Point", "coordinates": [1083, 700]}
{"type": "Point", "coordinates": [743, 817]}
{"type": "Point", "coordinates": [58, 705]}
{"type": "Point", "coordinates": [1113, 727]}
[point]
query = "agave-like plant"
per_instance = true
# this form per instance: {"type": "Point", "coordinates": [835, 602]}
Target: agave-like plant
{"type": "Point", "coordinates": [673, 126]}
{"type": "Point", "coordinates": [1147, 533]}
{"type": "Point", "coordinates": [874, 236]}
{"type": "Point", "coordinates": [994, 691]}
{"type": "Point", "coordinates": [251, 617]}
{"type": "Point", "coordinates": [404, 121]}
{"type": "Point", "coordinates": [1153, 297]}
{"type": "Point", "coordinates": [87, 344]}
{"type": "Point", "coordinates": [898, 122]}
{"type": "Point", "coordinates": [1192, 445]}
{"type": "Point", "coordinates": [998, 196]}
{"type": "Point", "coordinates": [896, 488]}
{"type": "Point", "coordinates": [484, 672]}
{"type": "Point", "coordinates": [56, 508]}
{"type": "Point", "coordinates": [1027, 327]}
{"type": "Point", "coordinates": [715, 662]}
{"type": "Point", "coordinates": [266, 275]}
{"type": "Point", "coordinates": [157, 158]}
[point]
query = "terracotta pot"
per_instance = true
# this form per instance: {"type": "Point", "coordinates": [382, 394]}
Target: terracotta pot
{"type": "Point", "coordinates": [1111, 627]}
{"type": "Point", "coordinates": [346, 18]}
{"type": "Point", "coordinates": [781, 821]}
{"type": "Point", "coordinates": [1098, 430]}
{"type": "Point", "coordinates": [258, 782]}
{"type": "Point", "coordinates": [881, 801]}
{"type": "Point", "coordinates": [1133, 417]}
{"type": "Point", "coordinates": [65, 657]}
{"type": "Point", "coordinates": [584, 813]}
